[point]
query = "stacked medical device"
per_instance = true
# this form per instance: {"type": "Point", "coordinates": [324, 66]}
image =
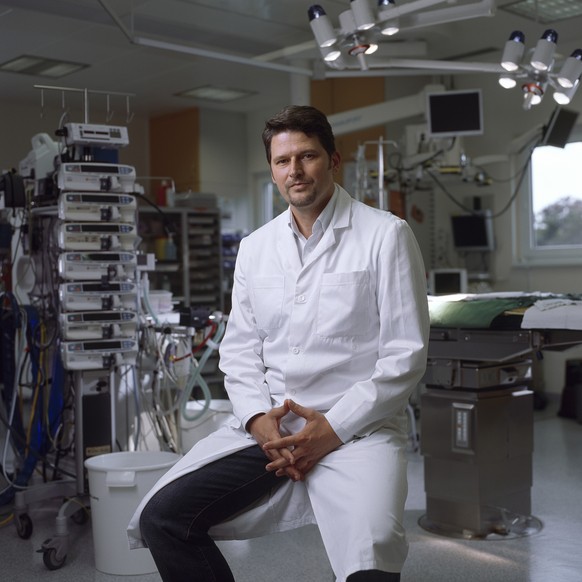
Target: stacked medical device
{"type": "Point", "coordinates": [84, 236]}
{"type": "Point", "coordinates": [97, 237]}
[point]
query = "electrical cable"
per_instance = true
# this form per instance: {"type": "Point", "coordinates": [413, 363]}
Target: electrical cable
{"type": "Point", "coordinates": [169, 227]}
{"type": "Point", "coordinates": [512, 198]}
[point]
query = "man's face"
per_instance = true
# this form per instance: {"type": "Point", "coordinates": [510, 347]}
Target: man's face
{"type": "Point", "coordinates": [303, 170]}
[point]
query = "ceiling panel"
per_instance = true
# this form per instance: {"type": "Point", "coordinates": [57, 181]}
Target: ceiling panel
{"type": "Point", "coordinates": [84, 31]}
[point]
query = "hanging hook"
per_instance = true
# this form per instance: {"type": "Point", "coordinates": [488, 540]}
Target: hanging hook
{"type": "Point", "coordinates": [63, 103]}
{"type": "Point", "coordinates": [110, 113]}
{"type": "Point", "coordinates": [128, 113]}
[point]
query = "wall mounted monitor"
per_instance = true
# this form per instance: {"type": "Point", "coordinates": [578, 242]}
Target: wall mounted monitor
{"type": "Point", "coordinates": [447, 281]}
{"type": "Point", "coordinates": [454, 113]}
{"type": "Point", "coordinates": [557, 131]}
{"type": "Point", "coordinates": [473, 232]}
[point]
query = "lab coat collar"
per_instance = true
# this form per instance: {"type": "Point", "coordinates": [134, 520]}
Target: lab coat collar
{"type": "Point", "coordinates": [340, 219]}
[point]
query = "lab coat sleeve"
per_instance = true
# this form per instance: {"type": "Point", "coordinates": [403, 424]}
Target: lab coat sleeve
{"type": "Point", "coordinates": [402, 309]}
{"type": "Point", "coordinates": [241, 350]}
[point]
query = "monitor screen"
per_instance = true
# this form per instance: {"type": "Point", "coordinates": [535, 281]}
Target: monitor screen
{"type": "Point", "coordinates": [557, 131]}
{"type": "Point", "coordinates": [454, 113]}
{"type": "Point", "coordinates": [447, 281]}
{"type": "Point", "coordinates": [473, 232]}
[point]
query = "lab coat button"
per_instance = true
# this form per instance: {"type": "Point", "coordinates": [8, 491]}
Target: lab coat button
{"type": "Point", "coordinates": [300, 298]}
{"type": "Point", "coordinates": [295, 350]}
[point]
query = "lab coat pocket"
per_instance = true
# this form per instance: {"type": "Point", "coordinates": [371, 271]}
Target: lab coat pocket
{"type": "Point", "coordinates": [268, 294]}
{"type": "Point", "coordinates": [344, 304]}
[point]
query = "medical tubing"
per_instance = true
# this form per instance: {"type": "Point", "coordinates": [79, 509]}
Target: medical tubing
{"type": "Point", "coordinates": [146, 299]}
{"type": "Point", "coordinates": [137, 406]}
{"type": "Point", "coordinates": [196, 377]}
{"type": "Point", "coordinates": [23, 354]}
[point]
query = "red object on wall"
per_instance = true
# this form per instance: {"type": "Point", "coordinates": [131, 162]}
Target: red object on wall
{"type": "Point", "coordinates": [161, 194]}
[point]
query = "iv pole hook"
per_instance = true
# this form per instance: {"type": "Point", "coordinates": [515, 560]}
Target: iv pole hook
{"type": "Point", "coordinates": [128, 115]}
{"type": "Point", "coordinates": [109, 111]}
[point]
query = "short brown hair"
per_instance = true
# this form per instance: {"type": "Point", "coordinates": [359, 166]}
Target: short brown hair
{"type": "Point", "coordinates": [304, 118]}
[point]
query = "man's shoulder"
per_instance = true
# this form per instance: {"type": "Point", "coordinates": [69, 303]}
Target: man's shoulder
{"type": "Point", "coordinates": [268, 230]}
{"type": "Point", "coordinates": [372, 215]}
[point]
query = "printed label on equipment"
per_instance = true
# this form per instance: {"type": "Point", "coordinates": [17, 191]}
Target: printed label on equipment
{"type": "Point", "coordinates": [462, 427]}
{"type": "Point", "coordinates": [97, 236]}
{"type": "Point", "coordinates": [107, 136]}
{"type": "Point", "coordinates": [105, 207]}
{"type": "Point", "coordinates": [96, 177]}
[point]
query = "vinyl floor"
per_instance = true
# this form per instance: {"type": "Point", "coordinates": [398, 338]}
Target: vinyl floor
{"type": "Point", "coordinates": [553, 554]}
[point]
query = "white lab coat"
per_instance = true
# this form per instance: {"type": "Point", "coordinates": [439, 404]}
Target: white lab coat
{"type": "Point", "coordinates": [345, 333]}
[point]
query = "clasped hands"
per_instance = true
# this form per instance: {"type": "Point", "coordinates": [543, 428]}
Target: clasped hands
{"type": "Point", "coordinates": [295, 455]}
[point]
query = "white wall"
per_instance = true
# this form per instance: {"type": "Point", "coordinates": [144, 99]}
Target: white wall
{"type": "Point", "coordinates": [224, 165]}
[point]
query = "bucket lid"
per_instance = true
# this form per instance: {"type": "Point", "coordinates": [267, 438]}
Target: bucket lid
{"type": "Point", "coordinates": [134, 460]}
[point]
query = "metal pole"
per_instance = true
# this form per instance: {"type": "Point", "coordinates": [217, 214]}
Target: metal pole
{"type": "Point", "coordinates": [382, 198]}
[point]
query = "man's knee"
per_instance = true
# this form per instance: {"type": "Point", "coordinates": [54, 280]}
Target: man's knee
{"type": "Point", "coordinates": [373, 576]}
{"type": "Point", "coordinates": [149, 519]}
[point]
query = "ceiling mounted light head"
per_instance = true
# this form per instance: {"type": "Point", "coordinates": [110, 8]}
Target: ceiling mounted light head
{"type": "Point", "coordinates": [538, 73]}
{"type": "Point", "coordinates": [347, 22]}
{"type": "Point", "coordinates": [362, 26]}
{"type": "Point", "coordinates": [362, 14]}
{"type": "Point", "coordinates": [564, 96]}
{"type": "Point", "coordinates": [543, 56]}
{"type": "Point", "coordinates": [571, 71]}
{"type": "Point", "coordinates": [507, 81]}
{"type": "Point", "coordinates": [388, 21]}
{"type": "Point", "coordinates": [321, 26]}
{"type": "Point", "coordinates": [513, 51]}
{"type": "Point", "coordinates": [330, 54]}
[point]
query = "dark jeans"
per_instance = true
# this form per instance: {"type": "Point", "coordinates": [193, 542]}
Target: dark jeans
{"type": "Point", "coordinates": [176, 520]}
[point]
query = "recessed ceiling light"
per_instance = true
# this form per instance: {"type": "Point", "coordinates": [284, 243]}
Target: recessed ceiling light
{"type": "Point", "coordinates": [546, 11]}
{"type": "Point", "coordinates": [214, 93]}
{"type": "Point", "coordinates": [41, 67]}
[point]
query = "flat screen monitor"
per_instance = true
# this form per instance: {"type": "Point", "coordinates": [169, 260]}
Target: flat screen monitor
{"type": "Point", "coordinates": [447, 281]}
{"type": "Point", "coordinates": [473, 232]}
{"type": "Point", "coordinates": [454, 113]}
{"type": "Point", "coordinates": [557, 131]}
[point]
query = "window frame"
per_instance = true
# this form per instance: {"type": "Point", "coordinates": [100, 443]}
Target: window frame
{"type": "Point", "coordinates": [527, 254]}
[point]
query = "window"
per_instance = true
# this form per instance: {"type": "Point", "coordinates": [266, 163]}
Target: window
{"type": "Point", "coordinates": [550, 217]}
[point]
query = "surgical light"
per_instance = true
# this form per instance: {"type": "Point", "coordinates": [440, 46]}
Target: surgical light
{"type": "Point", "coordinates": [537, 73]}
{"type": "Point", "coordinates": [513, 51]}
{"type": "Point", "coordinates": [367, 22]}
{"type": "Point", "coordinates": [507, 81]}
{"type": "Point", "coordinates": [362, 14]}
{"type": "Point", "coordinates": [571, 71]}
{"type": "Point", "coordinates": [321, 26]}
{"type": "Point", "coordinates": [543, 56]}
{"type": "Point", "coordinates": [564, 96]}
{"type": "Point", "coordinates": [347, 22]}
{"type": "Point", "coordinates": [330, 54]}
{"type": "Point", "coordinates": [388, 21]}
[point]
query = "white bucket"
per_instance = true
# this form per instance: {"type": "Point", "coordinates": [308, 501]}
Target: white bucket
{"type": "Point", "coordinates": [117, 484]}
{"type": "Point", "coordinates": [218, 414]}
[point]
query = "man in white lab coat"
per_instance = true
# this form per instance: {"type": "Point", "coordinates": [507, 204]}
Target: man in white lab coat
{"type": "Point", "coordinates": [325, 342]}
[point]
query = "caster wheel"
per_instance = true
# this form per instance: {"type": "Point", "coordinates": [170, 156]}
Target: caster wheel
{"type": "Point", "coordinates": [23, 526]}
{"type": "Point", "coordinates": [49, 557]}
{"type": "Point", "coordinates": [81, 516]}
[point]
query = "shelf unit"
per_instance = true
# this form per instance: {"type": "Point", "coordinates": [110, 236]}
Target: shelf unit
{"type": "Point", "coordinates": [190, 266]}
{"type": "Point", "coordinates": [230, 245]}
{"type": "Point", "coordinates": [188, 248]}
